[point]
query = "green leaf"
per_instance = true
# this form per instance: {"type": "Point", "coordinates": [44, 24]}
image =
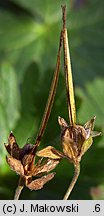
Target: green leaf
{"type": "Point", "coordinates": [3, 127]}
{"type": "Point", "coordinates": [9, 94]}
{"type": "Point", "coordinates": [17, 31]}
{"type": "Point", "coordinates": [48, 11]}
{"type": "Point", "coordinates": [92, 102]}
{"type": "Point", "coordinates": [92, 164]}
{"type": "Point", "coordinates": [92, 105]}
{"type": "Point", "coordinates": [9, 106]}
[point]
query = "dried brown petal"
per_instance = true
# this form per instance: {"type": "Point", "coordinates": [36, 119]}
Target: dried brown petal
{"type": "Point", "coordinates": [39, 183]}
{"type": "Point", "coordinates": [46, 166]}
{"type": "Point", "coordinates": [68, 144]}
{"type": "Point", "coordinates": [8, 148]}
{"type": "Point", "coordinates": [57, 152]}
{"type": "Point", "coordinates": [26, 150]}
{"type": "Point", "coordinates": [28, 163]}
{"type": "Point", "coordinates": [72, 141]}
{"type": "Point", "coordinates": [90, 123]}
{"type": "Point", "coordinates": [11, 139]}
{"type": "Point", "coordinates": [12, 146]}
{"type": "Point", "coordinates": [78, 135]}
{"type": "Point", "coordinates": [39, 162]}
{"type": "Point", "coordinates": [15, 165]}
{"type": "Point", "coordinates": [69, 151]}
{"type": "Point", "coordinates": [62, 122]}
{"type": "Point", "coordinates": [89, 126]}
{"type": "Point", "coordinates": [50, 152]}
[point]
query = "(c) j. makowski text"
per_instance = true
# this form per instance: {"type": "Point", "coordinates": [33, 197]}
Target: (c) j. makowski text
{"type": "Point", "coordinates": [51, 208]}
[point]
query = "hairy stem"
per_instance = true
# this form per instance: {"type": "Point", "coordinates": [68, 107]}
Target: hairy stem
{"type": "Point", "coordinates": [18, 192]}
{"type": "Point", "coordinates": [19, 188]}
{"type": "Point", "coordinates": [72, 184]}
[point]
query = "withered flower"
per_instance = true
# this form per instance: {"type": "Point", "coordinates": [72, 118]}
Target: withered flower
{"type": "Point", "coordinates": [76, 140]}
{"type": "Point", "coordinates": [21, 160]}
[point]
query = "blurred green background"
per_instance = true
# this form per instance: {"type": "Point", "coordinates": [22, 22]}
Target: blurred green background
{"type": "Point", "coordinates": [29, 37]}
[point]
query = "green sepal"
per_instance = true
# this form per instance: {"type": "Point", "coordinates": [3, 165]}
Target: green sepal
{"type": "Point", "coordinates": [86, 145]}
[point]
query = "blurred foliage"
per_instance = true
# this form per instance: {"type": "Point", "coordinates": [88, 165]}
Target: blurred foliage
{"type": "Point", "coordinates": [29, 36]}
{"type": "Point", "coordinates": [98, 192]}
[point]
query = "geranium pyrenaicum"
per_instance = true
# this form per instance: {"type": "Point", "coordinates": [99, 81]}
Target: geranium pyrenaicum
{"type": "Point", "coordinates": [22, 161]}
{"type": "Point", "coordinates": [76, 140]}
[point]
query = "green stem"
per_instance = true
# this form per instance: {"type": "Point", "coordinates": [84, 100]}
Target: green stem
{"type": "Point", "coordinates": [72, 184]}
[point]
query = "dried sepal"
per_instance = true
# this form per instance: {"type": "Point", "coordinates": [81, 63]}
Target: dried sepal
{"type": "Point", "coordinates": [50, 152]}
{"type": "Point", "coordinates": [63, 124]}
{"type": "Point", "coordinates": [11, 139]}
{"type": "Point", "coordinates": [72, 140]}
{"type": "Point", "coordinates": [89, 127]}
{"type": "Point", "coordinates": [8, 148]}
{"type": "Point", "coordinates": [90, 124]}
{"type": "Point", "coordinates": [12, 146]}
{"type": "Point", "coordinates": [59, 153]}
{"type": "Point", "coordinates": [46, 166]}
{"type": "Point", "coordinates": [26, 150]}
{"type": "Point", "coordinates": [15, 165]}
{"type": "Point", "coordinates": [25, 167]}
{"type": "Point", "coordinates": [95, 133]}
{"type": "Point", "coordinates": [39, 183]}
{"type": "Point", "coordinates": [69, 151]}
{"type": "Point", "coordinates": [27, 160]}
{"type": "Point", "coordinates": [77, 139]}
{"type": "Point", "coordinates": [39, 161]}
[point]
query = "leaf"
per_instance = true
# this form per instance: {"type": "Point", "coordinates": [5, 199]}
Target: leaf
{"type": "Point", "coordinates": [92, 103]}
{"type": "Point", "coordinates": [9, 94]}
{"type": "Point", "coordinates": [3, 129]}
{"type": "Point", "coordinates": [91, 162]}
{"type": "Point", "coordinates": [45, 10]}
{"type": "Point", "coordinates": [9, 105]}
{"type": "Point", "coordinates": [31, 106]}
{"type": "Point", "coordinates": [25, 129]}
{"type": "Point", "coordinates": [22, 30]}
